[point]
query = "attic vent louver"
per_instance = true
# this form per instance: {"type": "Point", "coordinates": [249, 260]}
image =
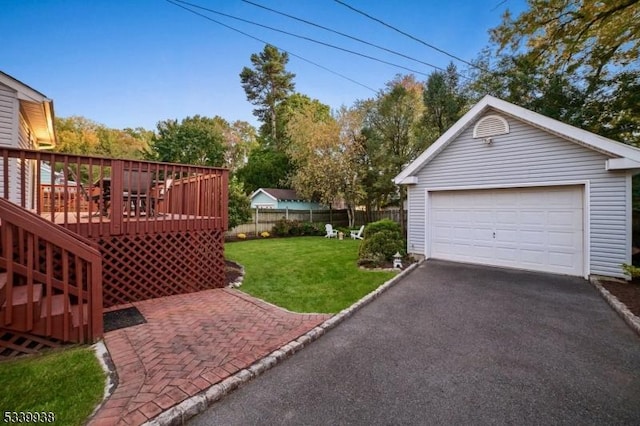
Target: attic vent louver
{"type": "Point", "coordinates": [491, 125]}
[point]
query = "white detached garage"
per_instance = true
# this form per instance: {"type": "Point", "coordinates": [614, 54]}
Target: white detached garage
{"type": "Point", "coordinates": [509, 187]}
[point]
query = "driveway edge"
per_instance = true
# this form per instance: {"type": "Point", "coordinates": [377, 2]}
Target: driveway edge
{"type": "Point", "coordinates": [190, 407]}
{"type": "Point", "coordinates": [622, 310]}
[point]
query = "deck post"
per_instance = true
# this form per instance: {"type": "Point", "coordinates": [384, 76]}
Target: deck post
{"type": "Point", "coordinates": [117, 174]}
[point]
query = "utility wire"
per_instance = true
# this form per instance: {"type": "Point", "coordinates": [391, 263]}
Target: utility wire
{"type": "Point", "coordinates": [344, 35]}
{"type": "Point", "coordinates": [410, 36]}
{"type": "Point", "coordinates": [266, 42]}
{"type": "Point", "coordinates": [305, 38]}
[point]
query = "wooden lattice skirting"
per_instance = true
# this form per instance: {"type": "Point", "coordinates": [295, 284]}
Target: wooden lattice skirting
{"type": "Point", "coordinates": [14, 343]}
{"type": "Point", "coordinates": [146, 266]}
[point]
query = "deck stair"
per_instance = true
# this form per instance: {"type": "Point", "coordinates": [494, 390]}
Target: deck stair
{"type": "Point", "coordinates": [50, 284]}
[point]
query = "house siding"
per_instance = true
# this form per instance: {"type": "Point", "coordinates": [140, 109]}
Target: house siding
{"type": "Point", "coordinates": [528, 155]}
{"type": "Point", "coordinates": [26, 141]}
{"type": "Point", "coordinates": [263, 200]}
{"type": "Point", "coordinates": [9, 117]}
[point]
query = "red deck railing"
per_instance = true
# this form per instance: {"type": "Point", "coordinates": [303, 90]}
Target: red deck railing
{"type": "Point", "coordinates": [53, 282]}
{"type": "Point", "coordinates": [98, 197]}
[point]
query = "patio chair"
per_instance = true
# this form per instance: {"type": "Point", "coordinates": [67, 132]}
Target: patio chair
{"type": "Point", "coordinates": [135, 189]}
{"type": "Point", "coordinates": [159, 193]}
{"type": "Point", "coordinates": [330, 231]}
{"type": "Point", "coordinates": [357, 235]}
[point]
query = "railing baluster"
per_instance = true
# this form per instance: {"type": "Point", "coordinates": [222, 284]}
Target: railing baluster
{"type": "Point", "coordinates": [30, 295]}
{"type": "Point", "coordinates": [65, 288]}
{"type": "Point", "coordinates": [49, 283]}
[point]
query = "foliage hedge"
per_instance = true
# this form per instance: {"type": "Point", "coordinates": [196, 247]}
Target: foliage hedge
{"type": "Point", "coordinates": [382, 225]}
{"type": "Point", "coordinates": [292, 228]}
{"type": "Point", "coordinates": [382, 239]}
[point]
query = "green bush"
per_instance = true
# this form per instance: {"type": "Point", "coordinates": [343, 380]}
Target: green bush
{"type": "Point", "coordinates": [380, 247]}
{"type": "Point", "coordinates": [382, 225]}
{"type": "Point", "coordinates": [294, 228]}
{"type": "Point", "coordinates": [309, 228]}
{"type": "Point", "coordinates": [632, 271]}
{"type": "Point", "coordinates": [281, 228]}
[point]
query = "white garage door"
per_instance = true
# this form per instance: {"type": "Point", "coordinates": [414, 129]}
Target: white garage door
{"type": "Point", "coordinates": [538, 228]}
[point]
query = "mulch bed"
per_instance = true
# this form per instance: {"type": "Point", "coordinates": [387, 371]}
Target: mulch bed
{"type": "Point", "coordinates": [233, 271]}
{"type": "Point", "coordinates": [627, 293]}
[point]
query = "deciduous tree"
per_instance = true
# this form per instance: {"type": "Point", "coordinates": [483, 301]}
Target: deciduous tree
{"type": "Point", "coordinates": [194, 140]}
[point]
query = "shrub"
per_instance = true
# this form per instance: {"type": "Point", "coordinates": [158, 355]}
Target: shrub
{"type": "Point", "coordinates": [281, 228]}
{"type": "Point", "coordinates": [632, 271]}
{"type": "Point", "coordinates": [264, 234]}
{"type": "Point", "coordinates": [309, 228]}
{"type": "Point", "coordinates": [295, 228]}
{"type": "Point", "coordinates": [382, 225]}
{"type": "Point", "coordinates": [286, 228]}
{"type": "Point", "coordinates": [381, 247]}
{"type": "Point", "coordinates": [242, 236]}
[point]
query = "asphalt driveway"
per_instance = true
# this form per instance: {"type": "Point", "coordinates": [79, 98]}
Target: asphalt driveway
{"type": "Point", "coordinates": [457, 344]}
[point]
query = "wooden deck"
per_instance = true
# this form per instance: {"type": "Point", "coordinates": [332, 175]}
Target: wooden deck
{"type": "Point", "coordinates": [162, 234]}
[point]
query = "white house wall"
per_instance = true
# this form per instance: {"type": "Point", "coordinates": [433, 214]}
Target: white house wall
{"type": "Point", "coordinates": [528, 155]}
{"type": "Point", "coordinates": [9, 117]}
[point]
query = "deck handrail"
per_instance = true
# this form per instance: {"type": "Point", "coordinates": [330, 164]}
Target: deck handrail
{"type": "Point", "coordinates": [91, 197]}
{"type": "Point", "coordinates": [24, 237]}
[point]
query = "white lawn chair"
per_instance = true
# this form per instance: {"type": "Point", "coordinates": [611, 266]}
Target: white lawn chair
{"type": "Point", "coordinates": [330, 231]}
{"type": "Point", "coordinates": [357, 235]}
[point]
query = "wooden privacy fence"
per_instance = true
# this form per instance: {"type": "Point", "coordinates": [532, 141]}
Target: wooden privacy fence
{"type": "Point", "coordinates": [265, 219]}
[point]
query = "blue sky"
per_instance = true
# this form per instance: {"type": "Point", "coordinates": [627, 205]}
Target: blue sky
{"type": "Point", "coordinates": [134, 63]}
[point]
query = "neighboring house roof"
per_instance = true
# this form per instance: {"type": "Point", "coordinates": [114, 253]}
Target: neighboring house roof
{"type": "Point", "coordinates": [37, 109]}
{"type": "Point", "coordinates": [278, 194]}
{"type": "Point", "coordinates": [624, 156]}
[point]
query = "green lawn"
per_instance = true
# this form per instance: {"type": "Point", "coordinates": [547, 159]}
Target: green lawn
{"type": "Point", "coordinates": [304, 274]}
{"type": "Point", "coordinates": [68, 383]}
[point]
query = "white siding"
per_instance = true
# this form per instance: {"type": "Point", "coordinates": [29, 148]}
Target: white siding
{"type": "Point", "coordinates": [524, 156]}
{"type": "Point", "coordinates": [9, 113]}
{"type": "Point", "coordinates": [26, 140]}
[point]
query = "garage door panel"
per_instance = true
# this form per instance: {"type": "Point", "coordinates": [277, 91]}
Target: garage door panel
{"type": "Point", "coordinates": [530, 228]}
{"type": "Point", "coordinates": [507, 236]}
{"type": "Point", "coordinates": [460, 216]}
{"type": "Point", "coordinates": [565, 260]}
{"type": "Point", "coordinates": [506, 217]}
{"type": "Point", "coordinates": [528, 217]}
{"type": "Point", "coordinates": [559, 239]}
{"type": "Point", "coordinates": [481, 217]}
{"type": "Point", "coordinates": [482, 235]}
{"type": "Point", "coordinates": [562, 218]}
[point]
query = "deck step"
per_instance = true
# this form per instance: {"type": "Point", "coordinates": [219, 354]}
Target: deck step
{"type": "Point", "coordinates": [75, 311]}
{"type": "Point", "coordinates": [57, 305]}
{"type": "Point", "coordinates": [56, 327]}
{"type": "Point", "coordinates": [20, 295]}
{"type": "Point", "coordinates": [21, 318]}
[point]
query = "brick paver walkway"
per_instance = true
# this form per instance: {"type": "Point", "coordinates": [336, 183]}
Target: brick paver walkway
{"type": "Point", "coordinates": [189, 343]}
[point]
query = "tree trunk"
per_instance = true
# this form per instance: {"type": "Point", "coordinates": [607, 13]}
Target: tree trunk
{"type": "Point", "coordinates": [351, 214]}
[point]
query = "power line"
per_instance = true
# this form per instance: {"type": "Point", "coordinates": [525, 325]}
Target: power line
{"type": "Point", "coordinates": [410, 36]}
{"type": "Point", "coordinates": [344, 35]}
{"type": "Point", "coordinates": [266, 42]}
{"type": "Point", "coordinates": [306, 38]}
